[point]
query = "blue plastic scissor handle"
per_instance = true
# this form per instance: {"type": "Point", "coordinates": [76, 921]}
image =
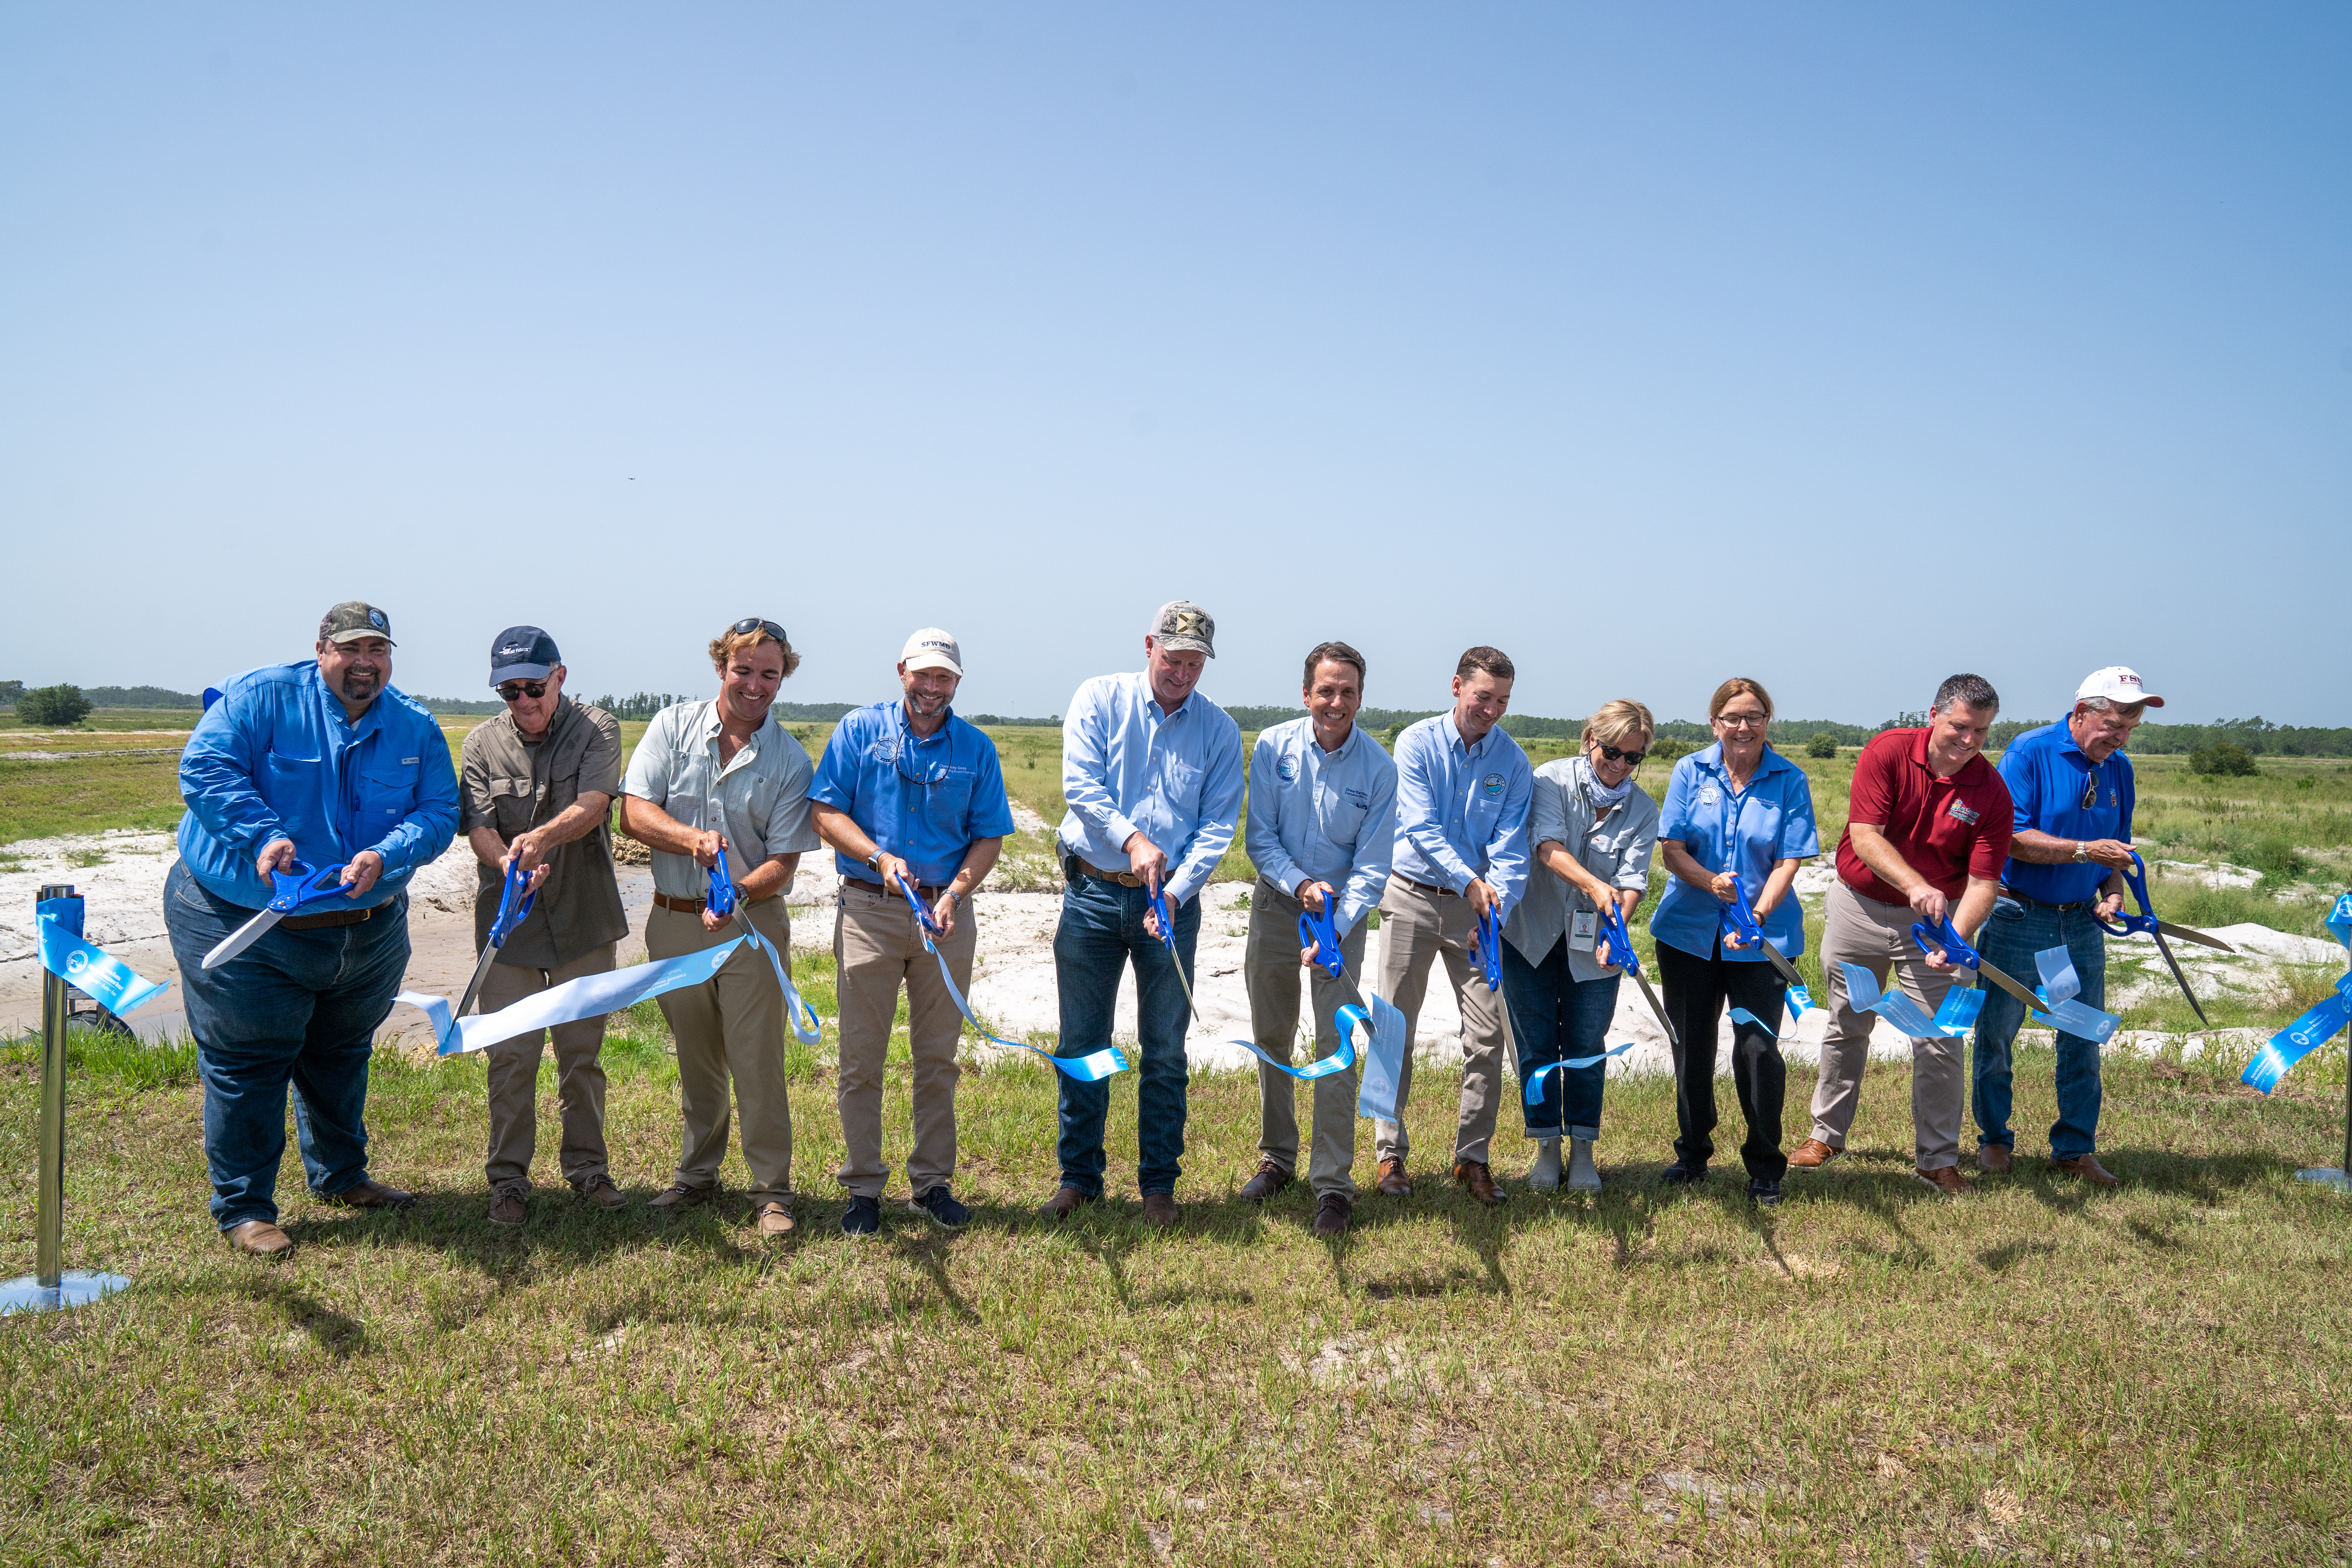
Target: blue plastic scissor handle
{"type": "Point", "coordinates": [1321, 932]}
{"type": "Point", "coordinates": [1738, 917]}
{"type": "Point", "coordinates": [303, 885]}
{"type": "Point", "coordinates": [1487, 948]}
{"type": "Point", "coordinates": [2137, 877]}
{"type": "Point", "coordinates": [1616, 941]}
{"type": "Point", "coordinates": [514, 904]}
{"type": "Point", "coordinates": [1941, 935]}
{"type": "Point", "coordinates": [922, 915]}
{"type": "Point", "coordinates": [1158, 907]}
{"type": "Point", "coordinates": [722, 888]}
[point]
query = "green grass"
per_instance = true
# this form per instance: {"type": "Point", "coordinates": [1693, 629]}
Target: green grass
{"type": "Point", "coordinates": [1869, 1376]}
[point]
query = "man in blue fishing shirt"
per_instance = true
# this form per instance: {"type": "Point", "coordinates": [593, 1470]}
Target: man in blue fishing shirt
{"type": "Point", "coordinates": [2072, 794]}
{"type": "Point", "coordinates": [324, 763]}
{"type": "Point", "coordinates": [1463, 791]}
{"type": "Point", "coordinates": [1152, 772]}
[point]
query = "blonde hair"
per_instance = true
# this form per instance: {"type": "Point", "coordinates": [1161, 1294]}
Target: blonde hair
{"type": "Point", "coordinates": [728, 644]}
{"type": "Point", "coordinates": [1611, 722]}
{"type": "Point", "coordinates": [1737, 685]}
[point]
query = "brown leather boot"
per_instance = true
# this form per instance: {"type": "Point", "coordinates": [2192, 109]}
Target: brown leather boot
{"type": "Point", "coordinates": [1159, 1210]}
{"type": "Point", "coordinates": [1475, 1176]}
{"type": "Point", "coordinates": [1270, 1179]}
{"type": "Point", "coordinates": [1332, 1212]}
{"type": "Point", "coordinates": [1393, 1183]}
{"type": "Point", "coordinates": [1993, 1159]}
{"type": "Point", "coordinates": [509, 1205]}
{"type": "Point", "coordinates": [1812, 1156]}
{"type": "Point", "coordinates": [1064, 1203]}
{"type": "Point", "coordinates": [2086, 1166]}
{"type": "Point", "coordinates": [261, 1238]}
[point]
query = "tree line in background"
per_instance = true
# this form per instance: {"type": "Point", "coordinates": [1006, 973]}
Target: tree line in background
{"type": "Point", "coordinates": [2226, 745]}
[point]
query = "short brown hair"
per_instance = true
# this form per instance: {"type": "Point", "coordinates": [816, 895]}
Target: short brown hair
{"type": "Point", "coordinates": [726, 645]}
{"type": "Point", "coordinates": [1492, 660]}
{"type": "Point", "coordinates": [1611, 722]}
{"type": "Point", "coordinates": [1737, 685]}
{"type": "Point", "coordinates": [1338, 653]}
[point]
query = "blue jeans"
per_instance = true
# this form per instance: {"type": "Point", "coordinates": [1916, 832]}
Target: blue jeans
{"type": "Point", "coordinates": [2013, 934]}
{"type": "Point", "coordinates": [298, 1007]}
{"type": "Point", "coordinates": [1101, 930]}
{"type": "Point", "coordinates": [1555, 1016]}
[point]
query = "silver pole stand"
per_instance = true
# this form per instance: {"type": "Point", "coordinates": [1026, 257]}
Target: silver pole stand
{"type": "Point", "coordinates": [54, 1286]}
{"type": "Point", "coordinates": [2339, 1178]}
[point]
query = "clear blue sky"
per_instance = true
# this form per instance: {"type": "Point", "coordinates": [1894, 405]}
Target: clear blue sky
{"type": "Point", "coordinates": [1842, 347]}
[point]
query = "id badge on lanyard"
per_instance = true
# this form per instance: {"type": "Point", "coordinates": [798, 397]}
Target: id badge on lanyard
{"type": "Point", "coordinates": [1583, 928]}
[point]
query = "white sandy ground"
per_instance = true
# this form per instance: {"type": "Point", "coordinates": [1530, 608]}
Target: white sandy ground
{"type": "Point", "coordinates": [1013, 985]}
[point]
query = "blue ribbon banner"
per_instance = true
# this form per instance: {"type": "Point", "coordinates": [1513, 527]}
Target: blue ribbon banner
{"type": "Point", "coordinates": [2059, 986]}
{"type": "Point", "coordinates": [1572, 1063]}
{"type": "Point", "coordinates": [2315, 1028]}
{"type": "Point", "coordinates": [723, 902]}
{"type": "Point", "coordinates": [590, 996]}
{"type": "Point", "coordinates": [1090, 1069]}
{"type": "Point", "coordinates": [91, 970]}
{"type": "Point", "coordinates": [1339, 1060]}
{"type": "Point", "coordinates": [1961, 1006]}
{"type": "Point", "coordinates": [1376, 1096]}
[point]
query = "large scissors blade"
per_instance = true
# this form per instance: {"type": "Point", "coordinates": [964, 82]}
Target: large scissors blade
{"type": "Point", "coordinates": [1779, 962]}
{"type": "Point", "coordinates": [2022, 992]}
{"type": "Point", "coordinates": [2166, 928]}
{"type": "Point", "coordinates": [2178, 978]}
{"type": "Point", "coordinates": [481, 972]}
{"type": "Point", "coordinates": [243, 937]}
{"type": "Point", "coordinates": [1656, 1006]}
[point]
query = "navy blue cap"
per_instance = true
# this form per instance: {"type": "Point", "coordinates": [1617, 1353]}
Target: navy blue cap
{"type": "Point", "coordinates": [522, 653]}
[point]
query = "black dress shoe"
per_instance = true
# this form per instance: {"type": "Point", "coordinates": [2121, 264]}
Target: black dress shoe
{"type": "Point", "coordinates": [1681, 1175]}
{"type": "Point", "coordinates": [1332, 1212]}
{"type": "Point", "coordinates": [366, 1194]}
{"type": "Point", "coordinates": [1764, 1195]}
{"type": "Point", "coordinates": [864, 1217]}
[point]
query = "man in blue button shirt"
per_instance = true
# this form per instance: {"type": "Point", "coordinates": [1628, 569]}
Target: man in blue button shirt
{"type": "Point", "coordinates": [1463, 790]}
{"type": "Point", "coordinates": [1322, 827]}
{"type": "Point", "coordinates": [325, 763]}
{"type": "Point", "coordinates": [1151, 770]}
{"type": "Point", "coordinates": [908, 795]}
{"type": "Point", "coordinates": [2071, 784]}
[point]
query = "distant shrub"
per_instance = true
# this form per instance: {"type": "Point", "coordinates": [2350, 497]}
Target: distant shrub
{"type": "Point", "coordinates": [2277, 858]}
{"type": "Point", "coordinates": [53, 705]}
{"type": "Point", "coordinates": [1667, 751]}
{"type": "Point", "coordinates": [2224, 759]}
{"type": "Point", "coordinates": [1821, 743]}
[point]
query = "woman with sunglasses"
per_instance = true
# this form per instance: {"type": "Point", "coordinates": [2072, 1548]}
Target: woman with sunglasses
{"type": "Point", "coordinates": [1738, 810]}
{"type": "Point", "coordinates": [1594, 832]}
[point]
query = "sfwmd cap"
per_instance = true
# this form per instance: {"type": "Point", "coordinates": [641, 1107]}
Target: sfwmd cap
{"type": "Point", "coordinates": [352, 620]}
{"type": "Point", "coordinates": [522, 653]}
{"type": "Point", "coordinates": [932, 649]}
{"type": "Point", "coordinates": [2117, 684]}
{"type": "Point", "coordinates": [1183, 626]}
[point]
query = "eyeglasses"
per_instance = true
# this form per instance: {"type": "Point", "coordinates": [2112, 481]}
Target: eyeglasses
{"type": "Point", "coordinates": [936, 774]}
{"type": "Point", "coordinates": [1631, 759]}
{"type": "Point", "coordinates": [750, 624]}
{"type": "Point", "coordinates": [1744, 721]}
{"type": "Point", "coordinates": [515, 689]}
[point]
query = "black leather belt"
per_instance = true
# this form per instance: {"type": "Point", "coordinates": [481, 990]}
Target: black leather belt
{"type": "Point", "coordinates": [331, 918]}
{"type": "Point", "coordinates": [2008, 892]}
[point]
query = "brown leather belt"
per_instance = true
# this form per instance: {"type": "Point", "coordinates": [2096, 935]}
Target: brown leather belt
{"type": "Point", "coordinates": [1124, 879]}
{"type": "Point", "coordinates": [331, 918]}
{"type": "Point", "coordinates": [929, 894]}
{"type": "Point", "coordinates": [693, 906]}
{"type": "Point", "coordinates": [1426, 888]}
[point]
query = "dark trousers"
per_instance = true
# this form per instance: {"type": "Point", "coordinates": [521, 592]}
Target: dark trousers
{"type": "Point", "coordinates": [1555, 1017]}
{"type": "Point", "coordinates": [1696, 990]}
{"type": "Point", "coordinates": [1101, 932]}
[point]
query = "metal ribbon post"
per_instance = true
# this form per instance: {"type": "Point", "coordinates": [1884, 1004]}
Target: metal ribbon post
{"type": "Point", "coordinates": [52, 1287]}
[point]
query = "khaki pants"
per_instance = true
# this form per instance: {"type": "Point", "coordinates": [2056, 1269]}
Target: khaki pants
{"type": "Point", "coordinates": [514, 1076]}
{"type": "Point", "coordinates": [1417, 925]}
{"type": "Point", "coordinates": [1272, 972]}
{"type": "Point", "coordinates": [1878, 938]}
{"type": "Point", "coordinates": [877, 946]}
{"type": "Point", "coordinates": [731, 1026]}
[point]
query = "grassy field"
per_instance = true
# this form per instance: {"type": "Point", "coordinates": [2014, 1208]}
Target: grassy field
{"type": "Point", "coordinates": [1871, 1374]}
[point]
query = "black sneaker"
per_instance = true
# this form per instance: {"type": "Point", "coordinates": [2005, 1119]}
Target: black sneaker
{"type": "Point", "coordinates": [1764, 1195]}
{"type": "Point", "coordinates": [1681, 1175]}
{"type": "Point", "coordinates": [863, 1217]}
{"type": "Point", "coordinates": [941, 1206]}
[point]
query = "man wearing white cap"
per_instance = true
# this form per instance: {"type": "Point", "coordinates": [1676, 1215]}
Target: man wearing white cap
{"type": "Point", "coordinates": [908, 795]}
{"type": "Point", "coordinates": [2070, 786]}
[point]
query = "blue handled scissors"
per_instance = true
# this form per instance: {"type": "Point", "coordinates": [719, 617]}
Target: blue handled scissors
{"type": "Point", "coordinates": [2146, 921]}
{"type": "Point", "coordinates": [1487, 948]}
{"type": "Point", "coordinates": [514, 908]}
{"type": "Point", "coordinates": [1617, 950]}
{"type": "Point", "coordinates": [292, 889]}
{"type": "Point", "coordinates": [1738, 917]}
{"type": "Point", "coordinates": [1942, 935]}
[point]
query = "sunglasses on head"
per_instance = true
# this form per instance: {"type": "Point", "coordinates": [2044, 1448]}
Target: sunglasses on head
{"type": "Point", "coordinates": [750, 624]}
{"type": "Point", "coordinates": [1632, 759]}
{"type": "Point", "coordinates": [513, 689]}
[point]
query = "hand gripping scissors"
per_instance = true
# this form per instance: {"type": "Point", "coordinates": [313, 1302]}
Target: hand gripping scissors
{"type": "Point", "coordinates": [294, 889]}
{"type": "Point", "coordinates": [2146, 921]}
{"type": "Point", "coordinates": [514, 908]}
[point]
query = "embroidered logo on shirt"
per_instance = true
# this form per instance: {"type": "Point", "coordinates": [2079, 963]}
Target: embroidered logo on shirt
{"type": "Point", "coordinates": [1357, 797]}
{"type": "Point", "coordinates": [1962, 813]}
{"type": "Point", "coordinates": [408, 762]}
{"type": "Point", "coordinates": [1708, 795]}
{"type": "Point", "coordinates": [1494, 787]}
{"type": "Point", "coordinates": [1287, 767]}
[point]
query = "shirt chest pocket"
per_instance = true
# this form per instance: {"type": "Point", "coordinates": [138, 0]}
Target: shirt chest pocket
{"type": "Point", "coordinates": [1343, 817]}
{"type": "Point", "coordinates": [513, 806]}
{"type": "Point", "coordinates": [294, 787]}
{"type": "Point", "coordinates": [385, 795]}
{"type": "Point", "coordinates": [1182, 782]}
{"type": "Point", "coordinates": [947, 804]}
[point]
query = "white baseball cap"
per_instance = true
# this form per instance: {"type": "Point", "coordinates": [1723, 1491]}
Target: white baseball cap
{"type": "Point", "coordinates": [932, 649]}
{"type": "Point", "coordinates": [2117, 684]}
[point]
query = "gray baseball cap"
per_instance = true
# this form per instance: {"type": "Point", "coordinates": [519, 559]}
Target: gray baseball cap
{"type": "Point", "coordinates": [352, 620]}
{"type": "Point", "coordinates": [1183, 626]}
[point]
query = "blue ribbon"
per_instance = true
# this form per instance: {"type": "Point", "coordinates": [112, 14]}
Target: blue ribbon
{"type": "Point", "coordinates": [722, 902]}
{"type": "Point", "coordinates": [1570, 1064]}
{"type": "Point", "coordinates": [88, 969]}
{"type": "Point", "coordinates": [1339, 1060]}
{"type": "Point", "coordinates": [1961, 1006]}
{"type": "Point", "coordinates": [1089, 1069]}
{"type": "Point", "coordinates": [590, 996]}
{"type": "Point", "coordinates": [2059, 986]}
{"type": "Point", "coordinates": [2315, 1028]}
{"type": "Point", "coordinates": [1376, 1094]}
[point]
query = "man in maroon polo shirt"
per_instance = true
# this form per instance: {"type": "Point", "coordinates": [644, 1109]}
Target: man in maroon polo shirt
{"type": "Point", "coordinates": [1927, 829]}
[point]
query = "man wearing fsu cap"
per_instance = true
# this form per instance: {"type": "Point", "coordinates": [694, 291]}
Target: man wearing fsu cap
{"type": "Point", "coordinates": [2070, 789]}
{"type": "Point", "coordinates": [539, 786]}
{"type": "Point", "coordinates": [1152, 772]}
{"type": "Point", "coordinates": [908, 795]}
{"type": "Point", "coordinates": [321, 761]}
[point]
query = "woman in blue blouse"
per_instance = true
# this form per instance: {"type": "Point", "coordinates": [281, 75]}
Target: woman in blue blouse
{"type": "Point", "coordinates": [1738, 809]}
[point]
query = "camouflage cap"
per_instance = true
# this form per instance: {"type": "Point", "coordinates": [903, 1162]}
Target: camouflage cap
{"type": "Point", "coordinates": [352, 620]}
{"type": "Point", "coordinates": [1183, 626]}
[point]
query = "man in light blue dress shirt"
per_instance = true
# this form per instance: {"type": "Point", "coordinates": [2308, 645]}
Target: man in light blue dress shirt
{"type": "Point", "coordinates": [1322, 826]}
{"type": "Point", "coordinates": [1463, 790]}
{"type": "Point", "coordinates": [1152, 773]}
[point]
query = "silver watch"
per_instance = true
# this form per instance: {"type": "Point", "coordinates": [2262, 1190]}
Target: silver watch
{"type": "Point", "coordinates": [2081, 853]}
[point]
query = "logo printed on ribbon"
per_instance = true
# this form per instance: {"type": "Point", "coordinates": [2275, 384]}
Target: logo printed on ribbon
{"type": "Point", "coordinates": [96, 974]}
{"type": "Point", "coordinates": [2315, 1028]}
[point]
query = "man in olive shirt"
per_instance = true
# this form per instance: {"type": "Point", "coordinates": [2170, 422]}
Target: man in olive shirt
{"type": "Point", "coordinates": [538, 787]}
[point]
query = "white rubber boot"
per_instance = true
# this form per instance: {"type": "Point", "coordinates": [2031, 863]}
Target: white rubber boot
{"type": "Point", "coordinates": [1544, 1176]}
{"type": "Point", "coordinates": [1581, 1175]}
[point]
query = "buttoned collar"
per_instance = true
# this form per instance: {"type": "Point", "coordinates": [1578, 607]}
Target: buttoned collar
{"type": "Point", "coordinates": [1772, 761]}
{"type": "Point", "coordinates": [1469, 750]}
{"type": "Point", "coordinates": [712, 724]}
{"type": "Point", "coordinates": [1151, 699]}
{"type": "Point", "coordinates": [563, 707]}
{"type": "Point", "coordinates": [1347, 747]}
{"type": "Point", "coordinates": [359, 728]}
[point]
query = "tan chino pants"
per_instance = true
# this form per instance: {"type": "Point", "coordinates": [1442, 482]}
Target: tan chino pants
{"type": "Point", "coordinates": [730, 1028]}
{"type": "Point", "coordinates": [1272, 973]}
{"type": "Point", "coordinates": [877, 946]}
{"type": "Point", "coordinates": [1416, 926]}
{"type": "Point", "coordinates": [513, 1070]}
{"type": "Point", "coordinates": [1877, 937]}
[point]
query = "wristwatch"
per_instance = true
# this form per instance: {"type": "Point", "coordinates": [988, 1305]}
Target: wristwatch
{"type": "Point", "coordinates": [2081, 853]}
{"type": "Point", "coordinates": [874, 861]}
